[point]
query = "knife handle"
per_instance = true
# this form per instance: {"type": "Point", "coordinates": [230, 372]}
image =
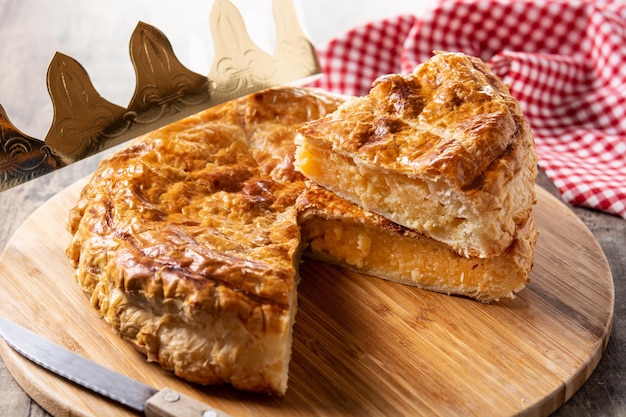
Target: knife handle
{"type": "Point", "coordinates": [169, 403]}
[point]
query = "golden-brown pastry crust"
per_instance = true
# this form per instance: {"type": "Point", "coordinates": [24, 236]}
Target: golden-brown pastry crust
{"type": "Point", "coordinates": [445, 151]}
{"type": "Point", "coordinates": [187, 240]}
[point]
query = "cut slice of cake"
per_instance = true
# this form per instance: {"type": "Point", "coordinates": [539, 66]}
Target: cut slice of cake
{"type": "Point", "coordinates": [339, 232]}
{"type": "Point", "coordinates": [444, 151]}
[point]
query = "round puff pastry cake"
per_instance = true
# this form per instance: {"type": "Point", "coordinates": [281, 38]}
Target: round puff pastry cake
{"type": "Point", "coordinates": [188, 241]}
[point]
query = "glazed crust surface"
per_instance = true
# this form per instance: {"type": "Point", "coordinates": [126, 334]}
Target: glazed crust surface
{"type": "Point", "coordinates": [445, 151]}
{"type": "Point", "coordinates": [187, 240]}
{"type": "Point", "coordinates": [450, 119]}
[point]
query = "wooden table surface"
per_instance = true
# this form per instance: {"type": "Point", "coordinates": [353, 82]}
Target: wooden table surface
{"type": "Point", "coordinates": [97, 34]}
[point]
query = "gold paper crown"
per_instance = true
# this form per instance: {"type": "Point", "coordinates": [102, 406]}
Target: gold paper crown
{"type": "Point", "coordinates": [85, 123]}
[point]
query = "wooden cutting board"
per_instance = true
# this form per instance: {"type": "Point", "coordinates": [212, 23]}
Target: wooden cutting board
{"type": "Point", "coordinates": [362, 346]}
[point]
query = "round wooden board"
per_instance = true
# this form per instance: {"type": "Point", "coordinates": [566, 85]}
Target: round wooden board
{"type": "Point", "coordinates": [362, 346]}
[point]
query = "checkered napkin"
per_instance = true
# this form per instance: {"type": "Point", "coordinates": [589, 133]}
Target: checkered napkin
{"type": "Point", "coordinates": [565, 61]}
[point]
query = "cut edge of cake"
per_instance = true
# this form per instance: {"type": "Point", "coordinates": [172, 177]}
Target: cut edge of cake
{"type": "Point", "coordinates": [341, 233]}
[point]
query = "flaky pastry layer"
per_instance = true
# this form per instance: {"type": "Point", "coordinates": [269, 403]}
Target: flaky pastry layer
{"type": "Point", "coordinates": [339, 232]}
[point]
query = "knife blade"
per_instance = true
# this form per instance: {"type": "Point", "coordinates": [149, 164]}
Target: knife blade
{"type": "Point", "coordinates": [126, 391]}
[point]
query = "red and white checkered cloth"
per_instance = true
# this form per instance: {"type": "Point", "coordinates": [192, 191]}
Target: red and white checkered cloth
{"type": "Point", "coordinates": [565, 61]}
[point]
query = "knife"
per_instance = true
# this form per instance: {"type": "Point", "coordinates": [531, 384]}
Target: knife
{"type": "Point", "coordinates": [130, 393]}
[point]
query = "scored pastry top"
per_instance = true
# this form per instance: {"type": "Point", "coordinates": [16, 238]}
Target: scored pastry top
{"type": "Point", "coordinates": [209, 201]}
{"type": "Point", "coordinates": [452, 119]}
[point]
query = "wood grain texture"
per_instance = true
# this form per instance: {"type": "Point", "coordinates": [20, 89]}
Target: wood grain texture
{"type": "Point", "coordinates": [361, 345]}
